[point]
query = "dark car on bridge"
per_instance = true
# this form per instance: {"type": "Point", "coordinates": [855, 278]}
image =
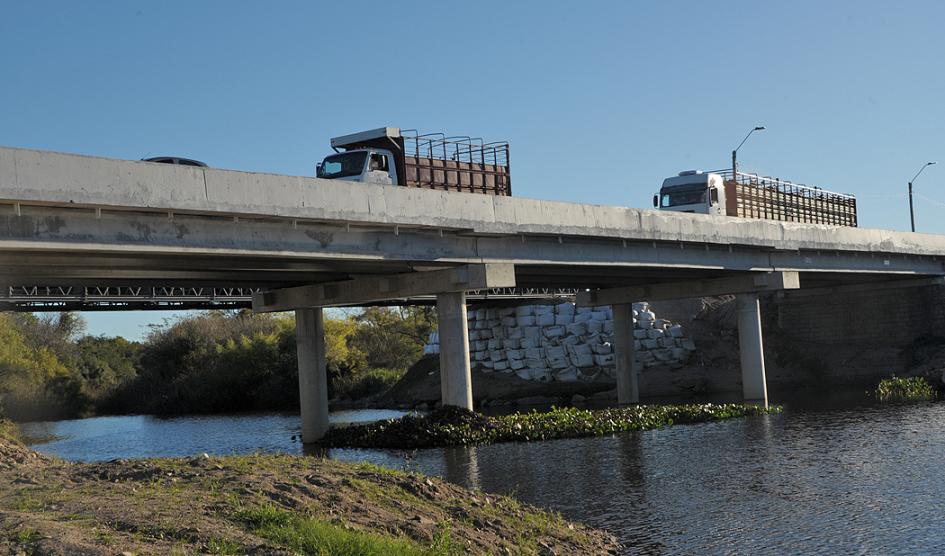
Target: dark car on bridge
{"type": "Point", "coordinates": [176, 160]}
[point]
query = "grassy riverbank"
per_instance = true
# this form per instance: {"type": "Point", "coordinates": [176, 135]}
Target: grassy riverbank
{"type": "Point", "coordinates": [451, 426]}
{"type": "Point", "coordinates": [261, 505]}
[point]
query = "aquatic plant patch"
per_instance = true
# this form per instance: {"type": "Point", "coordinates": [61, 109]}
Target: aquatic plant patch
{"type": "Point", "coordinates": [905, 389]}
{"type": "Point", "coordinates": [452, 426]}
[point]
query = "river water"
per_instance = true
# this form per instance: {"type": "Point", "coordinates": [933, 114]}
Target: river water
{"type": "Point", "coordinates": [857, 478]}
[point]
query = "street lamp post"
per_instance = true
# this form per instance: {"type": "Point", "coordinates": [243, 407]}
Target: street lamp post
{"type": "Point", "coordinates": [911, 212]}
{"type": "Point", "coordinates": [735, 152]}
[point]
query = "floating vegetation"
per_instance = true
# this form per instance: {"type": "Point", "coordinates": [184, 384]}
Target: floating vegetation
{"type": "Point", "coordinates": [905, 389]}
{"type": "Point", "coordinates": [452, 426]}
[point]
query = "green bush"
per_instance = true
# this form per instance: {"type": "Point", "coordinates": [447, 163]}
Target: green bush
{"type": "Point", "coordinates": [452, 426]}
{"type": "Point", "coordinates": [365, 384]}
{"type": "Point", "coordinates": [905, 389]}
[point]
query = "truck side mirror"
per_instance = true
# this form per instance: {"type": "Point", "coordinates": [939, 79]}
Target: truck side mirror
{"type": "Point", "coordinates": [656, 201]}
{"type": "Point", "coordinates": [318, 169]}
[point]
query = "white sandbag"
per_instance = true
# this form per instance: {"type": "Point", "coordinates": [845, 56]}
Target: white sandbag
{"type": "Point", "coordinates": [509, 321]}
{"type": "Point", "coordinates": [516, 364]}
{"type": "Point", "coordinates": [676, 331]}
{"type": "Point", "coordinates": [474, 335]}
{"type": "Point", "coordinates": [501, 366]}
{"type": "Point", "coordinates": [559, 363]}
{"type": "Point", "coordinates": [640, 334]}
{"type": "Point", "coordinates": [602, 349]}
{"type": "Point", "coordinates": [680, 353]}
{"type": "Point", "coordinates": [497, 354]}
{"type": "Point", "coordinates": [492, 323]}
{"type": "Point", "coordinates": [492, 313]}
{"type": "Point", "coordinates": [567, 375]}
{"type": "Point", "coordinates": [513, 332]}
{"type": "Point", "coordinates": [565, 318]}
{"type": "Point", "coordinates": [512, 343]}
{"type": "Point", "coordinates": [533, 332]}
{"type": "Point", "coordinates": [541, 375]}
{"type": "Point", "coordinates": [582, 317]}
{"type": "Point", "coordinates": [434, 338]}
{"type": "Point", "coordinates": [641, 306]}
{"type": "Point", "coordinates": [481, 324]}
{"type": "Point", "coordinates": [514, 354]}
{"type": "Point", "coordinates": [480, 314]}
{"type": "Point", "coordinates": [524, 373]}
{"type": "Point", "coordinates": [594, 326]}
{"type": "Point", "coordinates": [577, 329]}
{"type": "Point", "coordinates": [654, 333]}
{"type": "Point", "coordinates": [599, 315]}
{"type": "Point", "coordinates": [644, 324]}
{"type": "Point", "coordinates": [585, 360]}
{"type": "Point", "coordinates": [485, 334]}
{"type": "Point", "coordinates": [647, 315]}
{"type": "Point", "coordinates": [667, 342]}
{"type": "Point", "coordinates": [649, 344]}
{"type": "Point", "coordinates": [638, 345]}
{"type": "Point", "coordinates": [536, 364]}
{"type": "Point", "coordinates": [431, 349]}
{"type": "Point", "coordinates": [564, 308]}
{"type": "Point", "coordinates": [569, 340]}
{"type": "Point", "coordinates": [524, 310]}
{"type": "Point", "coordinates": [580, 349]}
{"type": "Point", "coordinates": [525, 320]}
{"type": "Point", "coordinates": [554, 331]}
{"type": "Point", "coordinates": [506, 312]}
{"type": "Point", "coordinates": [604, 360]}
{"type": "Point", "coordinates": [555, 352]}
{"type": "Point", "coordinates": [534, 353]}
{"type": "Point", "coordinates": [526, 343]}
{"type": "Point", "coordinates": [546, 319]}
{"type": "Point", "coordinates": [498, 331]}
{"type": "Point", "coordinates": [486, 364]}
{"type": "Point", "coordinates": [544, 310]}
{"type": "Point", "coordinates": [495, 343]}
{"type": "Point", "coordinates": [609, 326]}
{"type": "Point", "coordinates": [688, 344]}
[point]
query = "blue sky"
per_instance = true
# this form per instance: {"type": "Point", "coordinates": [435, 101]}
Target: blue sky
{"type": "Point", "coordinates": [600, 103]}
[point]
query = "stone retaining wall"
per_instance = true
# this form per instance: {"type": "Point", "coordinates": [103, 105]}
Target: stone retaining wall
{"type": "Point", "coordinates": [565, 343]}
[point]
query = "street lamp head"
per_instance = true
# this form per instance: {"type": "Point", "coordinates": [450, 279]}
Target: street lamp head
{"type": "Point", "coordinates": [929, 163]}
{"type": "Point", "coordinates": [762, 128]}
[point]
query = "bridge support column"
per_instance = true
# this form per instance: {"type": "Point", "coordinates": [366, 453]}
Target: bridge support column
{"type": "Point", "coordinates": [751, 348]}
{"type": "Point", "coordinates": [455, 376]}
{"type": "Point", "coordinates": [313, 377]}
{"type": "Point", "coordinates": [628, 390]}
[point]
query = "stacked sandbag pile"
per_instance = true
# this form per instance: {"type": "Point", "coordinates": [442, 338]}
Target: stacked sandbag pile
{"type": "Point", "coordinates": [563, 342]}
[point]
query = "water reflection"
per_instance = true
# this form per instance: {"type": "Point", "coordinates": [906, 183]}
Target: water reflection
{"type": "Point", "coordinates": [819, 479]}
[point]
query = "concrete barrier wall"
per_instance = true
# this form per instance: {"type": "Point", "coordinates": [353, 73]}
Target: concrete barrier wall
{"type": "Point", "coordinates": [45, 177]}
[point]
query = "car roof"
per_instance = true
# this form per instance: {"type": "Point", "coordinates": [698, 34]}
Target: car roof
{"type": "Point", "coordinates": [176, 160]}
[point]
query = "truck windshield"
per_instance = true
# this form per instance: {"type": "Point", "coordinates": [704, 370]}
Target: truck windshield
{"type": "Point", "coordinates": [342, 165]}
{"type": "Point", "coordinates": [671, 198]}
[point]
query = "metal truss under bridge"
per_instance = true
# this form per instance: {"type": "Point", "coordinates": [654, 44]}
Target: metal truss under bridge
{"type": "Point", "coordinates": [35, 298]}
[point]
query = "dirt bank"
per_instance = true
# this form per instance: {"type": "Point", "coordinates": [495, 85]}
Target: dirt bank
{"type": "Point", "coordinates": [261, 505]}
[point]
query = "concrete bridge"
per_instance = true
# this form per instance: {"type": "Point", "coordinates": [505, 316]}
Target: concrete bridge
{"type": "Point", "coordinates": [299, 243]}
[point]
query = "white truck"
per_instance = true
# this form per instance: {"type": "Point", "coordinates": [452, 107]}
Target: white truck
{"type": "Point", "coordinates": [392, 156]}
{"type": "Point", "coordinates": [752, 196]}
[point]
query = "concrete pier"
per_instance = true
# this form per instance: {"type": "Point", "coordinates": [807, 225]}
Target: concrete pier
{"type": "Point", "coordinates": [751, 348]}
{"type": "Point", "coordinates": [313, 377]}
{"type": "Point", "coordinates": [455, 376]}
{"type": "Point", "coordinates": [628, 390]}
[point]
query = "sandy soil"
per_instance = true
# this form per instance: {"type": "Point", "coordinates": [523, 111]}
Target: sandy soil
{"type": "Point", "coordinates": [186, 506]}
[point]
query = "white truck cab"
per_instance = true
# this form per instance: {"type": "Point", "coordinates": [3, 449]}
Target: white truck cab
{"type": "Point", "coordinates": [692, 191]}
